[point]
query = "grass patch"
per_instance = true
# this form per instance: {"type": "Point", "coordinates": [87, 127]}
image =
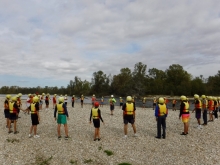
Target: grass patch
{"type": "Point", "coordinates": [73, 161]}
{"type": "Point", "coordinates": [124, 163]}
{"type": "Point", "coordinates": [100, 148]}
{"type": "Point", "coordinates": [87, 161]}
{"type": "Point", "coordinates": [109, 153]}
{"type": "Point", "coordinates": [41, 160]}
{"type": "Point", "coordinates": [12, 140]}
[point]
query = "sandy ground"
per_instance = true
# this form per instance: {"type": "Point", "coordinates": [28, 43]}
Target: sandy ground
{"type": "Point", "coordinates": [200, 146]}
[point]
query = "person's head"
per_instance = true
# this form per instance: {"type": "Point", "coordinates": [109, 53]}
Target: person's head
{"type": "Point", "coordinates": [43, 94]}
{"type": "Point", "coordinates": [8, 97]}
{"type": "Point", "coordinates": [129, 99]}
{"type": "Point", "coordinates": [161, 100]}
{"type": "Point", "coordinates": [55, 95]}
{"type": "Point", "coordinates": [61, 99]}
{"type": "Point", "coordinates": [196, 97]}
{"type": "Point", "coordinates": [35, 99]}
{"type": "Point", "coordinates": [93, 95]}
{"type": "Point", "coordinates": [96, 104]}
{"type": "Point", "coordinates": [14, 98]}
{"type": "Point", "coordinates": [203, 96]}
{"type": "Point", "coordinates": [73, 95]}
{"type": "Point", "coordinates": [19, 94]}
{"type": "Point", "coordinates": [112, 96]}
{"type": "Point", "coordinates": [183, 98]}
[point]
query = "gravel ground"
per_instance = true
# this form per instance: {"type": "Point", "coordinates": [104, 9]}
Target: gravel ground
{"type": "Point", "coordinates": [200, 146]}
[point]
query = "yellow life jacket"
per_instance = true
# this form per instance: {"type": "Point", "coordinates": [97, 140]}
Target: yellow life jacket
{"type": "Point", "coordinates": [95, 114]}
{"type": "Point", "coordinates": [129, 109]}
{"type": "Point", "coordinates": [186, 107]}
{"type": "Point", "coordinates": [11, 107]}
{"type": "Point", "coordinates": [162, 109]}
{"type": "Point", "coordinates": [60, 109]}
{"type": "Point", "coordinates": [33, 108]}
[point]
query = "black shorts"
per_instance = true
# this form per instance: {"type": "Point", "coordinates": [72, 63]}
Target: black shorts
{"type": "Point", "coordinates": [112, 107]}
{"type": "Point", "coordinates": [81, 101]}
{"type": "Point", "coordinates": [96, 123]}
{"type": "Point", "coordinates": [34, 119]}
{"type": "Point", "coordinates": [198, 113]}
{"type": "Point", "coordinates": [154, 104]}
{"type": "Point", "coordinates": [128, 119]}
{"type": "Point", "coordinates": [12, 116]}
{"type": "Point", "coordinates": [46, 102]}
{"type": "Point", "coordinates": [121, 104]}
{"type": "Point", "coordinates": [6, 111]}
{"type": "Point", "coordinates": [174, 105]}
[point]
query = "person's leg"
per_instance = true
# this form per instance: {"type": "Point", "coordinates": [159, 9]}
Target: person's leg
{"type": "Point", "coordinates": [58, 130]}
{"type": "Point", "coordinates": [187, 127]}
{"type": "Point", "coordinates": [15, 125]}
{"type": "Point", "coordinates": [9, 128]}
{"type": "Point", "coordinates": [35, 129]}
{"type": "Point", "coordinates": [163, 123]}
{"type": "Point", "coordinates": [125, 129]}
{"type": "Point", "coordinates": [98, 133]}
{"type": "Point", "coordinates": [31, 129]}
{"type": "Point", "coordinates": [66, 130]}
{"type": "Point", "coordinates": [159, 127]}
{"type": "Point", "coordinates": [134, 128]}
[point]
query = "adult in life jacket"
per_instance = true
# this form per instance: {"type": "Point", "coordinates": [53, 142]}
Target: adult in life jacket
{"type": "Point", "coordinates": [112, 102]}
{"type": "Point", "coordinates": [184, 113]}
{"type": "Point", "coordinates": [215, 107]}
{"type": "Point", "coordinates": [54, 100]}
{"type": "Point", "coordinates": [82, 100]}
{"type": "Point", "coordinates": [204, 109]}
{"type": "Point", "coordinates": [198, 110]}
{"type": "Point", "coordinates": [42, 100]}
{"type": "Point", "coordinates": [129, 115]}
{"type": "Point", "coordinates": [66, 99]}
{"type": "Point", "coordinates": [47, 98]}
{"type": "Point", "coordinates": [13, 114]}
{"type": "Point", "coordinates": [93, 99]}
{"type": "Point", "coordinates": [95, 115]}
{"type": "Point", "coordinates": [174, 104]}
{"type": "Point", "coordinates": [102, 102]}
{"type": "Point", "coordinates": [161, 113]}
{"type": "Point", "coordinates": [6, 109]}
{"type": "Point", "coordinates": [19, 103]}
{"type": "Point", "coordinates": [73, 100]}
{"type": "Point", "coordinates": [154, 102]}
{"type": "Point", "coordinates": [121, 102]}
{"type": "Point", "coordinates": [62, 117]}
{"type": "Point", "coordinates": [35, 116]}
{"type": "Point", "coordinates": [219, 104]}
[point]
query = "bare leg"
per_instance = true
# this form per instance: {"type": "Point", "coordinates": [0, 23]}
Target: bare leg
{"type": "Point", "coordinates": [126, 129]}
{"type": "Point", "coordinates": [31, 129]}
{"type": "Point", "coordinates": [66, 129]}
{"type": "Point", "coordinates": [134, 128]}
{"type": "Point", "coordinates": [35, 129]}
{"type": "Point", "coordinates": [58, 129]}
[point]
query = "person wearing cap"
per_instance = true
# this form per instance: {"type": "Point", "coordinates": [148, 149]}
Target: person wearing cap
{"type": "Point", "coordinates": [129, 115]}
{"type": "Point", "coordinates": [62, 115]}
{"type": "Point", "coordinates": [102, 102]}
{"type": "Point", "coordinates": [204, 109]}
{"type": "Point", "coordinates": [6, 110]}
{"type": "Point", "coordinates": [112, 102]}
{"type": "Point", "coordinates": [210, 108]}
{"type": "Point", "coordinates": [161, 113]}
{"type": "Point", "coordinates": [93, 99]}
{"type": "Point", "coordinates": [82, 100]}
{"type": "Point", "coordinates": [65, 99]}
{"type": "Point", "coordinates": [154, 103]}
{"type": "Point", "coordinates": [42, 100]}
{"type": "Point", "coordinates": [95, 114]}
{"type": "Point", "coordinates": [121, 102]}
{"type": "Point", "coordinates": [19, 103]}
{"type": "Point", "coordinates": [174, 104]}
{"type": "Point", "coordinates": [215, 107]}
{"type": "Point", "coordinates": [47, 98]}
{"type": "Point", "coordinates": [198, 110]}
{"type": "Point", "coordinates": [73, 100]}
{"type": "Point", "coordinates": [184, 113]}
{"type": "Point", "coordinates": [54, 100]}
{"type": "Point", "coordinates": [35, 116]}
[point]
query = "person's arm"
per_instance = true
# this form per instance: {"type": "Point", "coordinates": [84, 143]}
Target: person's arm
{"type": "Point", "coordinates": [156, 111]}
{"type": "Point", "coordinates": [55, 112]}
{"type": "Point", "coordinates": [99, 113]}
{"type": "Point", "coordinates": [90, 118]}
{"type": "Point", "coordinates": [65, 110]}
{"type": "Point", "coordinates": [181, 109]}
{"type": "Point", "coordinates": [37, 109]}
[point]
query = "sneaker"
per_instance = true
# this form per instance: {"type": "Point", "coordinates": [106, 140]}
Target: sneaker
{"type": "Point", "coordinates": [199, 127]}
{"type": "Point", "coordinates": [59, 137]}
{"type": "Point", "coordinates": [99, 139]}
{"type": "Point", "coordinates": [10, 131]}
{"type": "Point", "coordinates": [16, 132]}
{"type": "Point", "coordinates": [67, 137]}
{"type": "Point", "coordinates": [125, 137]}
{"type": "Point", "coordinates": [135, 135]}
{"type": "Point", "coordinates": [29, 135]}
{"type": "Point", "coordinates": [36, 136]}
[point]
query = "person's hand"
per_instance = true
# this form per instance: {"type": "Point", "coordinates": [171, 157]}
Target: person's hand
{"type": "Point", "coordinates": [156, 119]}
{"type": "Point", "coordinates": [55, 118]}
{"type": "Point", "coordinates": [90, 122]}
{"type": "Point", "coordinates": [68, 118]}
{"type": "Point", "coordinates": [38, 118]}
{"type": "Point", "coordinates": [103, 123]}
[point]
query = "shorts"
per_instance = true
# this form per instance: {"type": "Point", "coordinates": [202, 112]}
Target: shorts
{"type": "Point", "coordinates": [46, 102]}
{"type": "Point", "coordinates": [102, 103]}
{"type": "Point", "coordinates": [174, 105]}
{"type": "Point", "coordinates": [154, 104]}
{"type": "Point", "coordinates": [6, 111]}
{"type": "Point", "coordinates": [198, 113]}
{"type": "Point", "coordinates": [41, 102]}
{"type": "Point", "coordinates": [96, 123]}
{"type": "Point", "coordinates": [121, 104]}
{"type": "Point", "coordinates": [81, 101]}
{"type": "Point", "coordinates": [112, 107]}
{"type": "Point", "coordinates": [128, 119]}
{"type": "Point", "coordinates": [34, 119]}
{"type": "Point", "coordinates": [185, 118]}
{"type": "Point", "coordinates": [61, 119]}
{"type": "Point", "coordinates": [12, 116]}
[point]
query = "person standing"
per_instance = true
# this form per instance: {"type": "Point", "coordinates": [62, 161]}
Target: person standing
{"type": "Point", "coordinates": [54, 100]}
{"type": "Point", "coordinates": [112, 102]}
{"type": "Point", "coordinates": [161, 113]}
{"type": "Point", "coordinates": [93, 99]}
{"type": "Point", "coordinates": [184, 113]}
{"type": "Point", "coordinates": [154, 102]}
{"type": "Point", "coordinates": [204, 109]}
{"type": "Point", "coordinates": [61, 119]}
{"type": "Point", "coordinates": [73, 100]}
{"type": "Point", "coordinates": [35, 116]}
{"type": "Point", "coordinates": [96, 116]}
{"type": "Point", "coordinates": [82, 100]}
{"type": "Point", "coordinates": [129, 115]}
{"type": "Point", "coordinates": [102, 101]}
{"type": "Point", "coordinates": [47, 101]}
{"type": "Point", "coordinates": [121, 102]}
{"type": "Point", "coordinates": [144, 100]}
{"type": "Point", "coordinates": [198, 110]}
{"type": "Point", "coordinates": [6, 110]}
{"type": "Point", "coordinates": [210, 108]}
{"type": "Point", "coordinates": [174, 104]}
{"type": "Point", "coordinates": [65, 99]}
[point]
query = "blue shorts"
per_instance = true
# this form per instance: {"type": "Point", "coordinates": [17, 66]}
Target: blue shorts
{"type": "Point", "coordinates": [198, 113]}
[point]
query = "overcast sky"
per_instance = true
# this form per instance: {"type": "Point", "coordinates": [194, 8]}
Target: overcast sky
{"type": "Point", "coordinates": [49, 42]}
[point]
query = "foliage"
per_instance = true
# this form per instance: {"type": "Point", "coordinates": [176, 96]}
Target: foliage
{"type": "Point", "coordinates": [108, 152]}
{"type": "Point", "coordinates": [124, 163]}
{"type": "Point", "coordinates": [173, 81]}
{"type": "Point", "coordinates": [87, 161]}
{"type": "Point", "coordinates": [73, 162]}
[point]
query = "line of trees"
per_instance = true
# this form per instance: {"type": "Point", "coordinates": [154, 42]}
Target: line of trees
{"type": "Point", "coordinates": [173, 81]}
